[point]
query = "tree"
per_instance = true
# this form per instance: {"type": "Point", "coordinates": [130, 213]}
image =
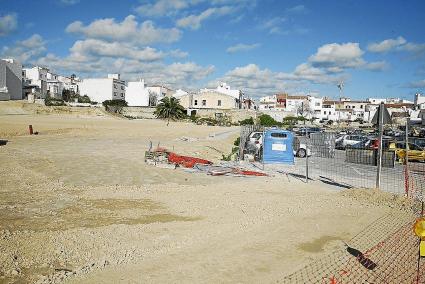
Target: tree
{"type": "Point", "coordinates": [153, 98]}
{"type": "Point", "coordinates": [169, 108]}
{"type": "Point", "coordinates": [304, 110]}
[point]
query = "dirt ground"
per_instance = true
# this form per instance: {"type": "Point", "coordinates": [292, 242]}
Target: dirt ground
{"type": "Point", "coordinates": [79, 205]}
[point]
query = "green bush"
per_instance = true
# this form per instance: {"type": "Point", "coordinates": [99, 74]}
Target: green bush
{"type": "Point", "coordinates": [84, 99]}
{"type": "Point", "coordinates": [237, 141]}
{"type": "Point", "coordinates": [248, 121]}
{"type": "Point", "coordinates": [120, 103]}
{"type": "Point", "coordinates": [49, 101]}
{"type": "Point", "coordinates": [267, 120]}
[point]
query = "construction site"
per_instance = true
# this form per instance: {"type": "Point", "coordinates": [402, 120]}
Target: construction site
{"type": "Point", "coordinates": [96, 198]}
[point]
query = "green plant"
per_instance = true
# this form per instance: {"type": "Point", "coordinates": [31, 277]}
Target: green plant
{"type": "Point", "coordinates": [248, 121]}
{"type": "Point", "coordinates": [49, 101]}
{"type": "Point", "coordinates": [119, 103]}
{"type": "Point", "coordinates": [267, 120]}
{"type": "Point", "coordinates": [170, 109]}
{"type": "Point", "coordinates": [237, 141]}
{"type": "Point", "coordinates": [84, 99]}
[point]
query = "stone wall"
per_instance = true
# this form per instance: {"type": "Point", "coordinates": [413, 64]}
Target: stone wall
{"type": "Point", "coordinates": [235, 115]}
{"type": "Point", "coordinates": [138, 112]}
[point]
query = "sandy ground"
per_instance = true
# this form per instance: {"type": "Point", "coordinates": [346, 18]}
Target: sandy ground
{"type": "Point", "coordinates": [78, 204]}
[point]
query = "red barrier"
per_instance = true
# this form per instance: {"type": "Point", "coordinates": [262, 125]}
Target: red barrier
{"type": "Point", "coordinates": [186, 161]}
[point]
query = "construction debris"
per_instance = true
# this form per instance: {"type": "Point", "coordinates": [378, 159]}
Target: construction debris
{"type": "Point", "coordinates": [163, 158]}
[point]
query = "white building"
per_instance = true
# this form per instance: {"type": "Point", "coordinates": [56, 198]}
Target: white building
{"type": "Point", "coordinates": [37, 76]}
{"type": "Point", "coordinates": [137, 94]}
{"type": "Point", "coordinates": [102, 89]}
{"type": "Point", "coordinates": [316, 106]}
{"type": "Point", "coordinates": [267, 103]}
{"type": "Point", "coordinates": [358, 108]}
{"type": "Point", "coordinates": [225, 89]}
{"type": "Point", "coordinates": [419, 101]}
{"type": "Point", "coordinates": [10, 80]}
{"type": "Point", "coordinates": [376, 101]}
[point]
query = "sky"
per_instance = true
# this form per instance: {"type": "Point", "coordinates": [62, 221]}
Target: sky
{"type": "Point", "coordinates": [376, 48]}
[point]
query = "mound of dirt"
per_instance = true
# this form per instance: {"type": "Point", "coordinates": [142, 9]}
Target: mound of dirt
{"type": "Point", "coordinates": [375, 197]}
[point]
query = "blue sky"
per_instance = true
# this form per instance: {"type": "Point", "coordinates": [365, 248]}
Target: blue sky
{"type": "Point", "coordinates": [262, 47]}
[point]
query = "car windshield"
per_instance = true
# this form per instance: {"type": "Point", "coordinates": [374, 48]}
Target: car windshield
{"type": "Point", "coordinates": [414, 147]}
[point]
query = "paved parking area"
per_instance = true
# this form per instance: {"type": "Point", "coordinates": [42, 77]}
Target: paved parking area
{"type": "Point", "coordinates": [336, 171]}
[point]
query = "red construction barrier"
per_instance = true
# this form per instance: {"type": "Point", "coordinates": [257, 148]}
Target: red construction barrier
{"type": "Point", "coordinates": [186, 161]}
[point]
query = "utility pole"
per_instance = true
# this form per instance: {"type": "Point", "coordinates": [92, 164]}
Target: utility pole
{"type": "Point", "coordinates": [340, 87]}
{"type": "Point", "coordinates": [380, 130]}
{"type": "Point", "coordinates": [406, 158]}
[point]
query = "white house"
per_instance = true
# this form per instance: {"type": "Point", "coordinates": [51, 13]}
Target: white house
{"type": "Point", "coordinates": [10, 80]}
{"type": "Point", "coordinates": [225, 89]}
{"type": "Point", "coordinates": [102, 89]}
{"type": "Point", "coordinates": [358, 108]}
{"type": "Point", "coordinates": [267, 103]}
{"type": "Point", "coordinates": [37, 76]}
{"type": "Point", "coordinates": [315, 105]}
{"type": "Point", "coordinates": [419, 101]}
{"type": "Point", "coordinates": [137, 94]}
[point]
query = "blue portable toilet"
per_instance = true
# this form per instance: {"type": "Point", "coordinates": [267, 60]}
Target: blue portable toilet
{"type": "Point", "coordinates": [277, 146]}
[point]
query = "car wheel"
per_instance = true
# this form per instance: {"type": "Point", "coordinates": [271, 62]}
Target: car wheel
{"type": "Point", "coordinates": [302, 153]}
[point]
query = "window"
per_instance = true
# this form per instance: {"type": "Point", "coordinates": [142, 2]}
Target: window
{"type": "Point", "coordinates": [115, 93]}
{"type": "Point", "coordinates": [317, 104]}
{"type": "Point", "coordinates": [204, 102]}
{"type": "Point", "coordinates": [122, 87]}
{"type": "Point", "coordinates": [115, 86]}
{"type": "Point", "coordinates": [195, 102]}
{"type": "Point", "coordinates": [279, 135]}
{"type": "Point", "coordinates": [361, 106]}
{"type": "Point", "coordinates": [219, 103]}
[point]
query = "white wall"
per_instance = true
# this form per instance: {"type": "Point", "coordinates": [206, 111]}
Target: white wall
{"type": "Point", "coordinates": [136, 94]}
{"type": "Point", "coordinates": [98, 90]}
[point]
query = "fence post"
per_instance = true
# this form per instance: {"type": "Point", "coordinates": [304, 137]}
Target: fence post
{"type": "Point", "coordinates": [306, 161]}
{"type": "Point", "coordinates": [381, 130]}
{"type": "Point", "coordinates": [406, 158]}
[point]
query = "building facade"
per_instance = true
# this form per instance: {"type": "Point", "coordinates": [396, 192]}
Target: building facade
{"type": "Point", "coordinates": [102, 89]}
{"type": "Point", "coordinates": [37, 77]}
{"type": "Point", "coordinates": [10, 80]}
{"type": "Point", "coordinates": [209, 100]}
{"type": "Point", "coordinates": [137, 94]}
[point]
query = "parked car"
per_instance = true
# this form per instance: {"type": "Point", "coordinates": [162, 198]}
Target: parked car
{"type": "Point", "coordinates": [371, 144]}
{"type": "Point", "coordinates": [414, 152]}
{"type": "Point", "coordinates": [348, 140]}
{"type": "Point", "coordinates": [306, 131]}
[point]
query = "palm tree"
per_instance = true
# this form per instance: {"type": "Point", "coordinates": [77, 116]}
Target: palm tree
{"type": "Point", "coordinates": [170, 108]}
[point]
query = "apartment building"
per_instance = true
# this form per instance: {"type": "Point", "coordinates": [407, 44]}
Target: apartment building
{"type": "Point", "coordinates": [10, 80]}
{"type": "Point", "coordinates": [37, 77]}
{"type": "Point", "coordinates": [102, 89]}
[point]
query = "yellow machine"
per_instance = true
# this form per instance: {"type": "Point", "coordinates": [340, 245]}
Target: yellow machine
{"type": "Point", "coordinates": [414, 152]}
{"type": "Point", "coordinates": [419, 229]}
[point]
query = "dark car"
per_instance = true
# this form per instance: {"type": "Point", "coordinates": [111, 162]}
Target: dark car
{"type": "Point", "coordinates": [306, 131]}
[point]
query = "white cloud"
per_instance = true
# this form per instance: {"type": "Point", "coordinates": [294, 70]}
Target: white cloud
{"type": "Point", "coordinates": [398, 44]}
{"type": "Point", "coordinates": [334, 55]}
{"type": "Point", "coordinates": [127, 30]}
{"type": "Point", "coordinates": [25, 50]}
{"type": "Point", "coordinates": [242, 47]}
{"type": "Point", "coordinates": [416, 48]}
{"type": "Point", "coordinates": [177, 53]}
{"type": "Point", "coordinates": [386, 45]}
{"type": "Point", "coordinates": [8, 24]}
{"type": "Point", "coordinates": [70, 2]}
{"type": "Point", "coordinates": [377, 66]}
{"type": "Point", "coordinates": [257, 82]}
{"type": "Point", "coordinates": [98, 48]}
{"type": "Point", "coordinates": [273, 25]}
{"type": "Point", "coordinates": [162, 7]}
{"type": "Point", "coordinates": [194, 21]}
{"type": "Point", "coordinates": [299, 9]}
{"type": "Point", "coordinates": [417, 84]}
